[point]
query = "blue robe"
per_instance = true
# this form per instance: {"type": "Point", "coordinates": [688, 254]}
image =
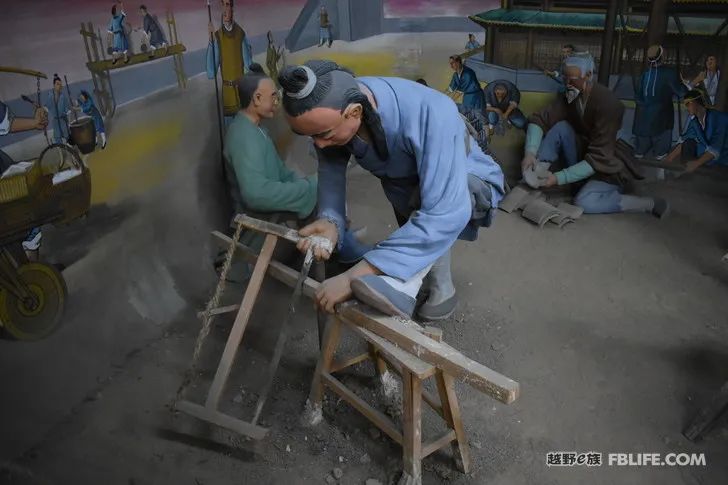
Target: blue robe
{"type": "Point", "coordinates": [154, 31]}
{"type": "Point", "coordinates": [654, 113]}
{"type": "Point", "coordinates": [58, 116]}
{"type": "Point", "coordinates": [467, 82]}
{"type": "Point", "coordinates": [116, 27]}
{"type": "Point", "coordinates": [472, 45]}
{"type": "Point", "coordinates": [90, 109]}
{"type": "Point", "coordinates": [713, 139]}
{"type": "Point", "coordinates": [427, 168]}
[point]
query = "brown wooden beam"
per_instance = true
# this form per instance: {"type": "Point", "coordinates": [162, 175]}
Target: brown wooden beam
{"type": "Point", "coordinates": [605, 62]}
{"type": "Point", "coordinates": [27, 72]}
{"type": "Point", "coordinates": [451, 361]}
{"type": "Point", "coordinates": [721, 97]}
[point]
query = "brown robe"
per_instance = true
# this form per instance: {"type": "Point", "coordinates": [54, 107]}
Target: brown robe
{"type": "Point", "coordinates": [596, 131]}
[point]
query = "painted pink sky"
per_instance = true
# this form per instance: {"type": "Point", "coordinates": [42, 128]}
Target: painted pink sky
{"type": "Point", "coordinates": [393, 8]}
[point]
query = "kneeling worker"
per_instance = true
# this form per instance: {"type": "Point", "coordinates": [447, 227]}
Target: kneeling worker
{"type": "Point", "coordinates": [580, 129]}
{"type": "Point", "coordinates": [705, 141]}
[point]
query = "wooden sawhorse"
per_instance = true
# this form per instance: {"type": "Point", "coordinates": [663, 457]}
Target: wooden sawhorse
{"type": "Point", "coordinates": [415, 353]}
{"type": "Point", "coordinates": [413, 372]}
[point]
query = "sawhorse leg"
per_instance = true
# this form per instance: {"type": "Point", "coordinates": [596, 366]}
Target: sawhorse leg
{"type": "Point", "coordinates": [451, 415]}
{"type": "Point", "coordinates": [411, 430]}
{"type": "Point", "coordinates": [209, 411]}
{"type": "Point", "coordinates": [313, 413]}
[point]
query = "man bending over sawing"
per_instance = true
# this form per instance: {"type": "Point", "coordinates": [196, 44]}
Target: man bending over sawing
{"type": "Point", "coordinates": [441, 185]}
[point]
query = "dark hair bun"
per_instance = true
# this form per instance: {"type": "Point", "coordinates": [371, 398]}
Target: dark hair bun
{"type": "Point", "coordinates": [293, 79]}
{"type": "Point", "coordinates": [257, 68]}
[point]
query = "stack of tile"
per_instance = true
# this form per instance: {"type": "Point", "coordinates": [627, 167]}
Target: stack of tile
{"type": "Point", "coordinates": [536, 209]}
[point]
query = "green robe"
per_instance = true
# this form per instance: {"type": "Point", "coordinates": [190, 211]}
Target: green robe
{"type": "Point", "coordinates": [265, 183]}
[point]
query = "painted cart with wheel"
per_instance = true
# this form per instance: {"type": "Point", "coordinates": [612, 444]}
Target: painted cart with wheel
{"type": "Point", "coordinates": [53, 189]}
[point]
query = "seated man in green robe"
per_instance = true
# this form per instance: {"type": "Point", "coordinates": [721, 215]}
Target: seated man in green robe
{"type": "Point", "coordinates": [264, 183]}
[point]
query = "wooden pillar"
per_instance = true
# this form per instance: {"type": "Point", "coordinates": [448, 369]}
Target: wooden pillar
{"type": "Point", "coordinates": [487, 44]}
{"type": "Point", "coordinates": [657, 25]}
{"type": "Point", "coordinates": [605, 63]}
{"type": "Point", "coordinates": [490, 48]}
{"type": "Point", "coordinates": [529, 50]}
{"type": "Point", "coordinates": [721, 97]}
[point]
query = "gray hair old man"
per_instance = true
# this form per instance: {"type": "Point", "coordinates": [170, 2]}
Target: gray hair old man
{"type": "Point", "coordinates": [580, 130]}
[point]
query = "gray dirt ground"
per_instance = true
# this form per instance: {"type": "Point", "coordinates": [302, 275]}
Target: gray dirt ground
{"type": "Point", "coordinates": [615, 328]}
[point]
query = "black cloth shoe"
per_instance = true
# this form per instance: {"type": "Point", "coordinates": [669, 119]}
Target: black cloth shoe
{"type": "Point", "coordinates": [661, 208]}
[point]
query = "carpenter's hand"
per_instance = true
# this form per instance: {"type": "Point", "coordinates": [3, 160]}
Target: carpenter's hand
{"type": "Point", "coordinates": [529, 160]}
{"type": "Point", "coordinates": [211, 28]}
{"type": "Point", "coordinates": [322, 228]}
{"type": "Point", "coordinates": [333, 291]}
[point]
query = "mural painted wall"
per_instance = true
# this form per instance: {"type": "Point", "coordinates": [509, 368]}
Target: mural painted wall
{"type": "Point", "coordinates": [60, 20]}
{"type": "Point", "coordinates": [437, 8]}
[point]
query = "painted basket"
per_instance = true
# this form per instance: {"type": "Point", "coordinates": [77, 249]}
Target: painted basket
{"type": "Point", "coordinates": [19, 186]}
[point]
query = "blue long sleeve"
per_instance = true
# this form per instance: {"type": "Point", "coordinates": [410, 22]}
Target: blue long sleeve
{"type": "Point", "coordinates": [437, 141]}
{"type": "Point", "coordinates": [575, 173]}
{"type": "Point", "coordinates": [332, 187]}
{"type": "Point", "coordinates": [247, 54]}
{"type": "Point", "coordinates": [212, 59]}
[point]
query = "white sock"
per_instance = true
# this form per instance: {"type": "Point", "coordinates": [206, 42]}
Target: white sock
{"type": "Point", "coordinates": [409, 287]}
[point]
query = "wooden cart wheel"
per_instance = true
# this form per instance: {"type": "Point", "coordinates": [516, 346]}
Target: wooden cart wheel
{"type": "Point", "coordinates": [58, 157]}
{"type": "Point", "coordinates": [27, 321]}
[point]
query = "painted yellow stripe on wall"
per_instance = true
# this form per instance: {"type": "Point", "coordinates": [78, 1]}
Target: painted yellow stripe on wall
{"type": "Point", "coordinates": [136, 159]}
{"type": "Point", "coordinates": [364, 64]}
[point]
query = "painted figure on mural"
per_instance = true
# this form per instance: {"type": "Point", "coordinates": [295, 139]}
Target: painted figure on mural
{"type": "Point", "coordinates": [9, 123]}
{"type": "Point", "coordinates": [87, 105]}
{"type": "Point", "coordinates": [153, 30]}
{"type": "Point", "coordinates": [654, 116]}
{"type": "Point", "coordinates": [579, 130]}
{"type": "Point", "coordinates": [708, 79]}
{"type": "Point", "coordinates": [464, 80]}
{"type": "Point", "coordinates": [705, 140]}
{"type": "Point", "coordinates": [58, 105]}
{"type": "Point", "coordinates": [273, 56]}
{"type": "Point", "coordinates": [230, 52]}
{"type": "Point", "coordinates": [441, 186]}
{"type": "Point", "coordinates": [558, 74]}
{"type": "Point", "coordinates": [472, 43]}
{"type": "Point", "coordinates": [324, 27]}
{"type": "Point", "coordinates": [118, 34]}
{"type": "Point", "coordinates": [501, 104]}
